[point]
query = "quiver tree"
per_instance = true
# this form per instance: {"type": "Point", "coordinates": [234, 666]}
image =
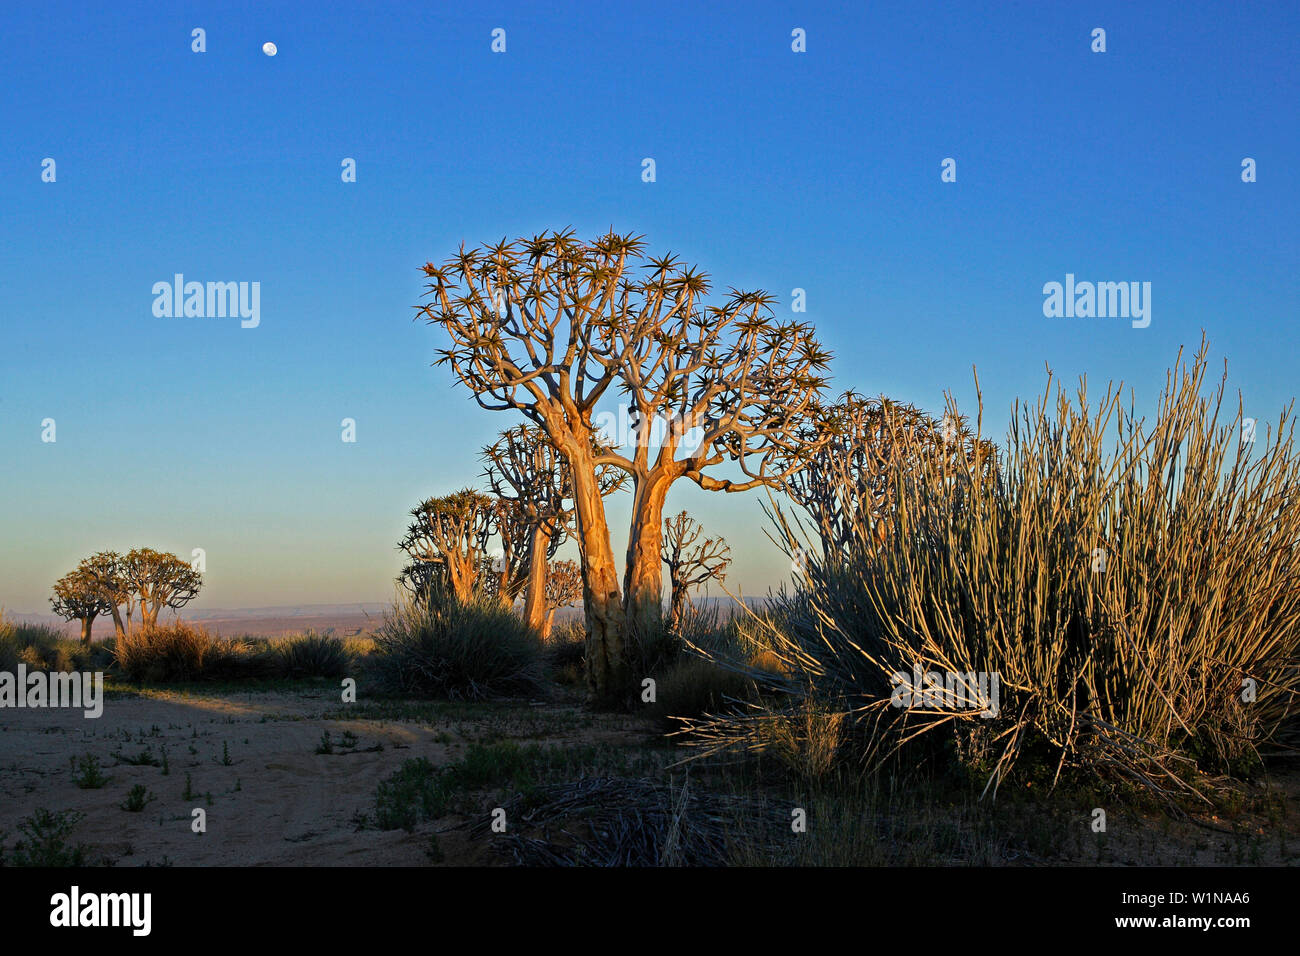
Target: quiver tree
{"type": "Point", "coordinates": [524, 469]}
{"type": "Point", "coordinates": [159, 580]}
{"type": "Point", "coordinates": [78, 596]}
{"type": "Point", "coordinates": [691, 561]}
{"type": "Point", "coordinates": [563, 589]}
{"type": "Point", "coordinates": [547, 325]}
{"type": "Point", "coordinates": [105, 571]}
{"type": "Point", "coordinates": [514, 529]}
{"type": "Point", "coordinates": [423, 580]}
{"type": "Point", "coordinates": [850, 487]}
{"type": "Point", "coordinates": [452, 532]}
{"type": "Point", "coordinates": [533, 480]}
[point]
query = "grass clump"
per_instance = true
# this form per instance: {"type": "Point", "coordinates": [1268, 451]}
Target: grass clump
{"type": "Point", "coordinates": [696, 686]}
{"type": "Point", "coordinates": [308, 655]}
{"type": "Point", "coordinates": [459, 651]}
{"type": "Point", "coordinates": [44, 648]}
{"type": "Point", "coordinates": [420, 791]}
{"type": "Point", "coordinates": [180, 653]}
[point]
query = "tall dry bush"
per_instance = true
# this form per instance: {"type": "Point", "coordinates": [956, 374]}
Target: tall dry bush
{"type": "Point", "coordinates": [181, 652]}
{"type": "Point", "coordinates": [1132, 584]}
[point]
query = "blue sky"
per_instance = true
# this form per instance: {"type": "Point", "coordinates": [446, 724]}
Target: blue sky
{"type": "Point", "coordinates": [775, 169]}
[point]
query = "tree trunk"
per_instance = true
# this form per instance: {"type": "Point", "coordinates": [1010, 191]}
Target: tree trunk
{"type": "Point", "coordinates": [678, 607]}
{"type": "Point", "coordinates": [462, 576]}
{"type": "Point", "coordinates": [118, 629]}
{"type": "Point", "coordinates": [535, 597]}
{"type": "Point", "coordinates": [607, 677]}
{"type": "Point", "coordinates": [503, 583]}
{"type": "Point", "coordinates": [546, 624]}
{"type": "Point", "coordinates": [644, 583]}
{"type": "Point", "coordinates": [86, 623]}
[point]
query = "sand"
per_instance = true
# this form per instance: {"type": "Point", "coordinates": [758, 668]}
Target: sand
{"type": "Point", "coordinates": [278, 802]}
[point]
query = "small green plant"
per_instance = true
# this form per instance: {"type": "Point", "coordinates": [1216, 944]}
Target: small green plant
{"type": "Point", "coordinates": [411, 794]}
{"type": "Point", "coordinates": [166, 767]}
{"type": "Point", "coordinates": [137, 799]}
{"type": "Point", "coordinates": [87, 774]}
{"type": "Point", "coordinates": [145, 758]}
{"type": "Point", "coordinates": [46, 840]}
{"type": "Point", "coordinates": [326, 746]}
{"type": "Point", "coordinates": [348, 741]}
{"type": "Point", "coordinates": [225, 755]}
{"type": "Point", "coordinates": [189, 788]}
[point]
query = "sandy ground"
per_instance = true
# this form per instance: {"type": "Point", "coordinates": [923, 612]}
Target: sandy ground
{"type": "Point", "coordinates": [277, 802]}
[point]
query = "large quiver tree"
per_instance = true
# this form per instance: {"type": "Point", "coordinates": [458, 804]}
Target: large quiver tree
{"type": "Point", "coordinates": [546, 325]}
{"type": "Point", "coordinates": [159, 580]}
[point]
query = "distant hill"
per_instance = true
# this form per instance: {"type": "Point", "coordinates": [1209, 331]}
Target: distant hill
{"type": "Point", "coordinates": [342, 619]}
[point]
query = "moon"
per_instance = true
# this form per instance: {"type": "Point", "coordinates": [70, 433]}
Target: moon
{"type": "Point", "coordinates": [268, 48]}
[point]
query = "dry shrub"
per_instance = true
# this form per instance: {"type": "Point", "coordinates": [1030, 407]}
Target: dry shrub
{"type": "Point", "coordinates": [806, 741]}
{"type": "Point", "coordinates": [180, 652]}
{"type": "Point", "coordinates": [469, 651]}
{"type": "Point", "coordinates": [768, 662]}
{"type": "Point", "coordinates": [45, 648]}
{"type": "Point", "coordinates": [1126, 580]}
